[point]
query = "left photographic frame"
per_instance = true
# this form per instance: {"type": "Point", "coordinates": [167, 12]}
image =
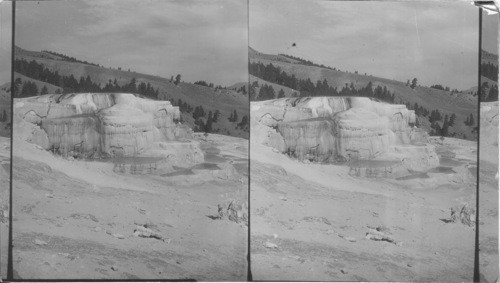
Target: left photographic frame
{"type": "Point", "coordinates": [131, 134]}
{"type": "Point", "coordinates": [5, 130]}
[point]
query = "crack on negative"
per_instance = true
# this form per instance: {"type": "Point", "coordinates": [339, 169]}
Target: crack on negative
{"type": "Point", "coordinates": [163, 109]}
{"type": "Point", "coordinates": [314, 147]}
{"type": "Point", "coordinates": [268, 114]}
{"type": "Point", "coordinates": [494, 117]}
{"type": "Point", "coordinates": [78, 144]}
{"type": "Point", "coordinates": [400, 114]}
{"type": "Point", "coordinates": [39, 116]}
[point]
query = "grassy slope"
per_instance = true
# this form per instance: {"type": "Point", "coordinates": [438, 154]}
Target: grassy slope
{"type": "Point", "coordinates": [487, 57]}
{"type": "Point", "coordinates": [225, 101]}
{"type": "Point", "coordinates": [462, 104]}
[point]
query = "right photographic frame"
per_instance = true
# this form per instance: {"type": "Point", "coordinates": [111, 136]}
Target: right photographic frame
{"type": "Point", "coordinates": [364, 147]}
{"type": "Point", "coordinates": [488, 150]}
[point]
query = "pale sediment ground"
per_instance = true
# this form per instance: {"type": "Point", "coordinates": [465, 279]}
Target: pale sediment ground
{"type": "Point", "coordinates": [76, 219]}
{"type": "Point", "coordinates": [316, 222]}
{"type": "Point", "coordinates": [4, 203]}
{"type": "Point", "coordinates": [488, 191]}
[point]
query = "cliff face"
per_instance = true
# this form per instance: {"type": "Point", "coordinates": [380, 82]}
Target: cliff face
{"type": "Point", "coordinates": [95, 125]}
{"type": "Point", "coordinates": [329, 129]}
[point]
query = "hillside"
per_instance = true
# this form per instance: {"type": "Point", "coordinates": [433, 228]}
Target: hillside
{"type": "Point", "coordinates": [254, 54]}
{"type": "Point", "coordinates": [5, 107]}
{"type": "Point", "coordinates": [462, 104]}
{"type": "Point", "coordinates": [224, 100]}
{"type": "Point", "coordinates": [289, 92]}
{"type": "Point", "coordinates": [39, 84]}
{"type": "Point", "coordinates": [489, 77]}
{"type": "Point", "coordinates": [487, 57]}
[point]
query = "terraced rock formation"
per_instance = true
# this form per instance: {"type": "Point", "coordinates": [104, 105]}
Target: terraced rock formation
{"type": "Point", "coordinates": [107, 125]}
{"type": "Point", "coordinates": [343, 129]}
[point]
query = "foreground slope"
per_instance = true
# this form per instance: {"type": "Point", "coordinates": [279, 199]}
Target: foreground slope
{"type": "Point", "coordinates": [322, 220]}
{"type": "Point", "coordinates": [111, 186]}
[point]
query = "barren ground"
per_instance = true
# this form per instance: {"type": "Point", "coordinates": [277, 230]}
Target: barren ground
{"type": "Point", "coordinates": [4, 203]}
{"type": "Point", "coordinates": [76, 219]}
{"type": "Point", "coordinates": [310, 221]}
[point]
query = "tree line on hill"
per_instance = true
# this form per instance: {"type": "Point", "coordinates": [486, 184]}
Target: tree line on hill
{"type": "Point", "coordinates": [307, 62]}
{"type": "Point", "coordinates": [70, 59]}
{"type": "Point", "coordinates": [69, 83]}
{"type": "Point", "coordinates": [204, 122]}
{"type": "Point", "coordinates": [488, 93]}
{"type": "Point", "coordinates": [490, 71]}
{"type": "Point", "coordinates": [204, 83]}
{"type": "Point", "coordinates": [435, 117]}
{"type": "Point", "coordinates": [241, 89]}
{"type": "Point", "coordinates": [445, 88]}
{"type": "Point", "coordinates": [306, 87]}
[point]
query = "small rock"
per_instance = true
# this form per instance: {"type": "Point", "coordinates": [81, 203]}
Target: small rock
{"type": "Point", "coordinates": [39, 242]}
{"type": "Point", "coordinates": [270, 245]}
{"type": "Point", "coordinates": [97, 229]}
{"type": "Point", "coordinates": [49, 195]}
{"type": "Point", "coordinates": [283, 198]}
{"type": "Point", "coordinates": [350, 239]}
{"type": "Point", "coordinates": [114, 268]}
{"type": "Point", "coordinates": [282, 172]}
{"type": "Point", "coordinates": [141, 231]}
{"type": "Point", "coordinates": [343, 271]}
{"type": "Point", "coordinates": [178, 262]}
{"type": "Point", "coordinates": [118, 236]}
{"type": "Point", "coordinates": [409, 265]}
{"type": "Point", "coordinates": [204, 250]}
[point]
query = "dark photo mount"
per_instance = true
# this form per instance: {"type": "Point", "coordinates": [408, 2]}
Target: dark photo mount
{"type": "Point", "coordinates": [5, 132]}
{"type": "Point", "coordinates": [325, 204]}
{"type": "Point", "coordinates": [486, 265]}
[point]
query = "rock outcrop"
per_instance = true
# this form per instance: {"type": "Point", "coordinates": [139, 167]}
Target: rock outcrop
{"type": "Point", "coordinates": [337, 129]}
{"type": "Point", "coordinates": [107, 125]}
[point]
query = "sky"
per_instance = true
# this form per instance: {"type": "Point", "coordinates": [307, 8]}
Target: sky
{"type": "Point", "coordinates": [201, 40]}
{"type": "Point", "coordinates": [436, 42]}
{"type": "Point", "coordinates": [5, 41]}
{"type": "Point", "coordinates": [490, 33]}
